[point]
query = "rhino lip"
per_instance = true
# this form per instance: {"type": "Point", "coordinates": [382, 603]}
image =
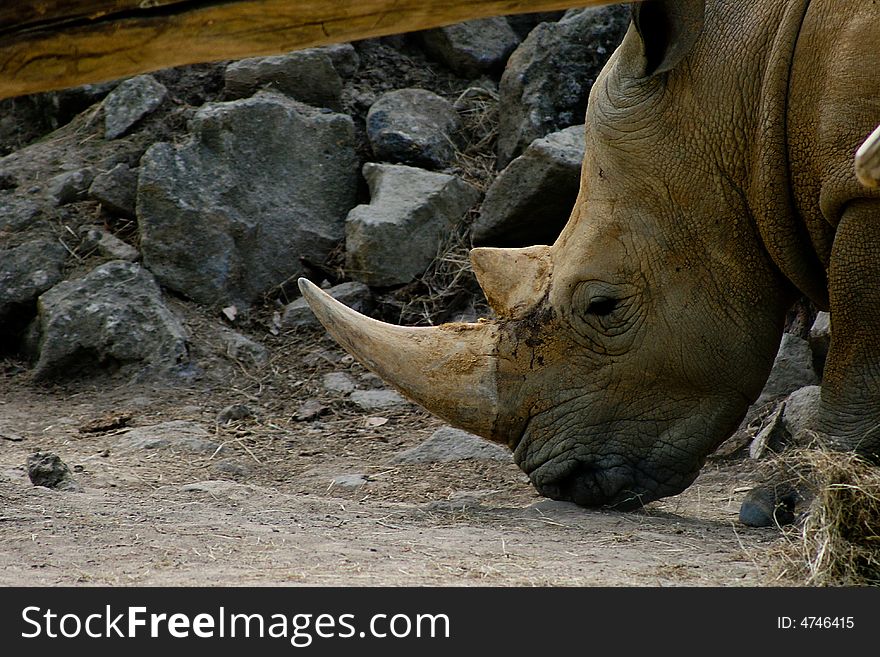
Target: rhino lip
{"type": "Point", "coordinates": [589, 484]}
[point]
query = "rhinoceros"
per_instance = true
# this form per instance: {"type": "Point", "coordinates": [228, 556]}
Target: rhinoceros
{"type": "Point", "coordinates": [718, 186]}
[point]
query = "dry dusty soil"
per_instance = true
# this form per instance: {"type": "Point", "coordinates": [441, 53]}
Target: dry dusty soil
{"type": "Point", "coordinates": [263, 509]}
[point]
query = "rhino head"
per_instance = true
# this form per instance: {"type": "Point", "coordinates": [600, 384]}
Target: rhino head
{"type": "Point", "coordinates": [625, 353]}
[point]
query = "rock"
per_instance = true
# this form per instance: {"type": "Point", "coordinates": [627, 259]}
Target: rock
{"type": "Point", "coordinates": [48, 470]}
{"type": "Point", "coordinates": [375, 400]}
{"type": "Point", "coordinates": [106, 422]}
{"type": "Point", "coordinates": [10, 436]}
{"type": "Point", "coordinates": [415, 127]}
{"type": "Point", "coordinates": [298, 315]}
{"type": "Point", "coordinates": [820, 341]}
{"type": "Point", "coordinates": [306, 75]}
{"type": "Point", "coordinates": [349, 481]}
{"type": "Point", "coordinates": [792, 369]}
{"type": "Point", "coordinates": [116, 190]}
{"type": "Point", "coordinates": [262, 182]}
{"type": "Point", "coordinates": [472, 48]}
{"type": "Point", "coordinates": [26, 271]}
{"type": "Point", "coordinates": [244, 350]}
{"type": "Point", "coordinates": [321, 356]}
{"type": "Point", "coordinates": [338, 382]}
{"type": "Point", "coordinates": [310, 409]}
{"type": "Point", "coordinates": [345, 58]}
{"type": "Point", "coordinates": [108, 245]}
{"type": "Point", "coordinates": [69, 186]}
{"type": "Point", "coordinates": [234, 412]}
{"type": "Point", "coordinates": [448, 444]}
{"type": "Point", "coordinates": [175, 435]}
{"type": "Point", "coordinates": [17, 213]}
{"type": "Point", "coordinates": [522, 24]}
{"type": "Point", "coordinates": [548, 78]}
{"type": "Point", "coordinates": [370, 380]}
{"type": "Point", "coordinates": [531, 200]}
{"type": "Point", "coordinates": [773, 436]}
{"type": "Point", "coordinates": [131, 101]}
{"type": "Point", "coordinates": [394, 238]}
{"type": "Point", "coordinates": [113, 318]}
{"type": "Point", "coordinates": [800, 417]}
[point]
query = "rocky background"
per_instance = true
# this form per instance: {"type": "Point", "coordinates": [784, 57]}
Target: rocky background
{"type": "Point", "coordinates": [134, 210]}
{"type": "Point", "coordinates": [370, 168]}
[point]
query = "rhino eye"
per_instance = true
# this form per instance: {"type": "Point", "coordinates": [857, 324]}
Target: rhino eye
{"type": "Point", "coordinates": [602, 306]}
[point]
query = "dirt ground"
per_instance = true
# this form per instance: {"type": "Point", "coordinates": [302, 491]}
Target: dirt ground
{"type": "Point", "coordinates": [264, 509]}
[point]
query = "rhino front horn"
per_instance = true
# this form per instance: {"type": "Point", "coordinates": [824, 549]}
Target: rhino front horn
{"type": "Point", "coordinates": [449, 369]}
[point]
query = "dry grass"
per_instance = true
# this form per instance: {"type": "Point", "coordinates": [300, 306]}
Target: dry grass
{"type": "Point", "coordinates": [448, 287]}
{"type": "Point", "coordinates": [475, 157]}
{"type": "Point", "coordinates": [838, 542]}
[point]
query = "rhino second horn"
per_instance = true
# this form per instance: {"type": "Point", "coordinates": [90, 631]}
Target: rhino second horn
{"type": "Point", "coordinates": [448, 369]}
{"type": "Point", "coordinates": [867, 162]}
{"type": "Point", "coordinates": [514, 280]}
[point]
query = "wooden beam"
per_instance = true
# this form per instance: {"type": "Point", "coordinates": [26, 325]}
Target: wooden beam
{"type": "Point", "coordinates": [54, 44]}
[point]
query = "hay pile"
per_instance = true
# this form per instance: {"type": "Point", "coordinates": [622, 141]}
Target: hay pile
{"type": "Point", "coordinates": [838, 541]}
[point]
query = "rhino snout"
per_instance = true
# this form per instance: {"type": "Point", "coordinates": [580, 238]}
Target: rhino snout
{"type": "Point", "coordinates": [591, 485]}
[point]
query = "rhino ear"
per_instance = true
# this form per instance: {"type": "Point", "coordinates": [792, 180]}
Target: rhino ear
{"type": "Point", "coordinates": [669, 29]}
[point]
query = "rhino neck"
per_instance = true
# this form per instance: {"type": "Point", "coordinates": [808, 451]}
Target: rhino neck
{"type": "Point", "coordinates": [798, 252]}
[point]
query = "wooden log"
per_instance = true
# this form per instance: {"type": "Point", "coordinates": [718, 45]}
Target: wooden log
{"type": "Point", "coordinates": [54, 44]}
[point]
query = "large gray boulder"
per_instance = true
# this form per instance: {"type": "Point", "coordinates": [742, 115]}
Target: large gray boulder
{"type": "Point", "coordinates": [26, 271]}
{"type": "Point", "coordinates": [548, 78]}
{"type": "Point", "coordinates": [355, 295]}
{"type": "Point", "coordinates": [531, 200]}
{"type": "Point", "coordinates": [415, 127]}
{"type": "Point", "coordinates": [394, 238]}
{"type": "Point", "coordinates": [792, 369]}
{"type": "Point", "coordinates": [129, 102]}
{"type": "Point", "coordinates": [113, 318]}
{"type": "Point", "coordinates": [306, 75]}
{"type": "Point", "coordinates": [801, 414]}
{"type": "Point", "coordinates": [820, 340]}
{"type": "Point", "coordinates": [116, 190]}
{"type": "Point", "coordinates": [345, 58]}
{"type": "Point", "coordinates": [522, 24]}
{"type": "Point", "coordinates": [18, 212]}
{"type": "Point", "coordinates": [69, 186]}
{"type": "Point", "coordinates": [472, 48]}
{"type": "Point", "coordinates": [261, 182]}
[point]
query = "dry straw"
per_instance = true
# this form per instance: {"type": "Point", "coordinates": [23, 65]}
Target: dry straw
{"type": "Point", "coordinates": [838, 541]}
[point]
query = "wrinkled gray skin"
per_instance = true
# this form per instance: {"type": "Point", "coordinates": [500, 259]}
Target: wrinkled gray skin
{"type": "Point", "coordinates": [717, 186]}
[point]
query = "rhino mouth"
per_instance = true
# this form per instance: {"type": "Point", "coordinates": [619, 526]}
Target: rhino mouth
{"type": "Point", "coordinates": [599, 479]}
{"type": "Point", "coordinates": [590, 484]}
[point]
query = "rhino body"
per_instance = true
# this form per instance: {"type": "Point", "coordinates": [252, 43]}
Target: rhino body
{"type": "Point", "coordinates": [717, 187]}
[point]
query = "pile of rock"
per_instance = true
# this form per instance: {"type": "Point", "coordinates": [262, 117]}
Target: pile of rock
{"type": "Point", "coordinates": [224, 183]}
